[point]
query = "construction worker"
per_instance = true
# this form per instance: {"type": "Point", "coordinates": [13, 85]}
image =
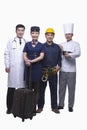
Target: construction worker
{"type": "Point", "coordinates": [51, 65]}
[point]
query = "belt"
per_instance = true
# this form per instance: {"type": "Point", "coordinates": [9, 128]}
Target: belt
{"type": "Point", "coordinates": [47, 72]}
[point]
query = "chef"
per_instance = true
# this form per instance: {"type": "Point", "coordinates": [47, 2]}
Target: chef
{"type": "Point", "coordinates": [14, 64]}
{"type": "Point", "coordinates": [67, 75]}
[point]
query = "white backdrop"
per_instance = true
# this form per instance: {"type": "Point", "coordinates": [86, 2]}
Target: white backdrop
{"type": "Point", "coordinates": [46, 13]}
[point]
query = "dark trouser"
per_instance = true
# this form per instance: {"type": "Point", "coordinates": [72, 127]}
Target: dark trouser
{"type": "Point", "coordinates": [10, 94]}
{"type": "Point", "coordinates": [53, 90]}
{"type": "Point", "coordinates": [36, 87]}
{"type": "Point", "coordinates": [67, 79]}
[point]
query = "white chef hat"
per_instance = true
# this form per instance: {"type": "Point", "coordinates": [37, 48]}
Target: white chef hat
{"type": "Point", "coordinates": [68, 28]}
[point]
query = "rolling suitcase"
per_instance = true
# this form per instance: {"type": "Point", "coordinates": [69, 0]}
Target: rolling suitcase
{"type": "Point", "coordinates": [23, 102]}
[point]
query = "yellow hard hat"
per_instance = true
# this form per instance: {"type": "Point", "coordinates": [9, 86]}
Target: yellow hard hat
{"type": "Point", "coordinates": [50, 30]}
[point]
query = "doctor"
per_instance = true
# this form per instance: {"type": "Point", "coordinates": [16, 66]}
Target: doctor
{"type": "Point", "coordinates": [67, 75]}
{"type": "Point", "coordinates": [14, 64]}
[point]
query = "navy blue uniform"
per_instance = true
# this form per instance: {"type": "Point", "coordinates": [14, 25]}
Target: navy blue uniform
{"type": "Point", "coordinates": [32, 53]}
{"type": "Point", "coordinates": [52, 58]}
{"type": "Point", "coordinates": [36, 69]}
{"type": "Point", "coordinates": [52, 55]}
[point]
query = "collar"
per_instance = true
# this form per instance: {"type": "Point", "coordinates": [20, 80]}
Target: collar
{"type": "Point", "coordinates": [69, 41]}
{"type": "Point", "coordinates": [47, 45]}
{"type": "Point", "coordinates": [17, 39]}
{"type": "Point", "coordinates": [34, 42]}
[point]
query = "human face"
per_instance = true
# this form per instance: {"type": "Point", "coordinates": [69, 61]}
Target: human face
{"type": "Point", "coordinates": [68, 36]}
{"type": "Point", "coordinates": [20, 32]}
{"type": "Point", "coordinates": [49, 37]}
{"type": "Point", "coordinates": [35, 35]}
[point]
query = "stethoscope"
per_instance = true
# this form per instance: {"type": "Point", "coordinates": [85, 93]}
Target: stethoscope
{"type": "Point", "coordinates": [14, 40]}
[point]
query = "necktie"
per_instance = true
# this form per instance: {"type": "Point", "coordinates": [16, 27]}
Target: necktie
{"type": "Point", "coordinates": [20, 41]}
{"type": "Point", "coordinates": [33, 43]}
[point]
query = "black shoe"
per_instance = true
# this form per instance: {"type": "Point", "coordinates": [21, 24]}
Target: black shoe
{"type": "Point", "coordinates": [60, 107]}
{"type": "Point", "coordinates": [8, 111]}
{"type": "Point", "coordinates": [70, 109]}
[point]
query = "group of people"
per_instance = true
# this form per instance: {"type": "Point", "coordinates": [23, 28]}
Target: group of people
{"type": "Point", "coordinates": [43, 62]}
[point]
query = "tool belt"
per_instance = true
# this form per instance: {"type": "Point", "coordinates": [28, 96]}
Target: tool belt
{"type": "Point", "coordinates": [47, 72]}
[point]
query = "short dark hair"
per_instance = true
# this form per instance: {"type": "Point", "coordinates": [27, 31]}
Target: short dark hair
{"type": "Point", "coordinates": [20, 26]}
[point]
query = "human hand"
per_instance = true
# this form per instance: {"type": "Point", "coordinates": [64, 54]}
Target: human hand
{"type": "Point", "coordinates": [7, 70]}
{"type": "Point", "coordinates": [57, 68]}
{"type": "Point", "coordinates": [66, 54]}
{"type": "Point", "coordinates": [27, 62]}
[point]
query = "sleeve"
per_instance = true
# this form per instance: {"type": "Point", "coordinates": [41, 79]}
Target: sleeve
{"type": "Point", "coordinates": [43, 49]}
{"type": "Point", "coordinates": [25, 48]}
{"type": "Point", "coordinates": [7, 55]}
{"type": "Point", "coordinates": [77, 52]}
{"type": "Point", "coordinates": [59, 57]}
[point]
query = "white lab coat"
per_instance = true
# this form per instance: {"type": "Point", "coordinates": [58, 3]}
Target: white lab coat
{"type": "Point", "coordinates": [13, 58]}
{"type": "Point", "coordinates": [69, 64]}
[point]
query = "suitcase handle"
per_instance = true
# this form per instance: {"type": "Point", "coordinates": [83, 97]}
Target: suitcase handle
{"type": "Point", "coordinates": [28, 81]}
{"type": "Point", "coordinates": [30, 69]}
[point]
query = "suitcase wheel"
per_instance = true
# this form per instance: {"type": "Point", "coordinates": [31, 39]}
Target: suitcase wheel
{"type": "Point", "coordinates": [15, 116]}
{"type": "Point", "coordinates": [22, 119]}
{"type": "Point", "coordinates": [31, 117]}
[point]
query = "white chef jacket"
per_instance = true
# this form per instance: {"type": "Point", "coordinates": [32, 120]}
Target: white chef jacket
{"type": "Point", "coordinates": [69, 64]}
{"type": "Point", "coordinates": [13, 57]}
